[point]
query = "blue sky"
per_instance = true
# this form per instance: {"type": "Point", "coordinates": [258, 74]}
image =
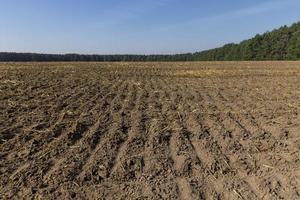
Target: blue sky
{"type": "Point", "coordinates": [136, 26]}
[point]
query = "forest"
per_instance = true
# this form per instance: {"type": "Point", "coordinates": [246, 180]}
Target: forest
{"type": "Point", "coordinates": [279, 44]}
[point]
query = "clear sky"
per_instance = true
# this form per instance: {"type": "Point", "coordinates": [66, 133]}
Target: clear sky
{"type": "Point", "coordinates": [136, 26]}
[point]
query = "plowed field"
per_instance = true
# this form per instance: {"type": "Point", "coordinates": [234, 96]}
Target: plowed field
{"type": "Point", "coordinates": [202, 130]}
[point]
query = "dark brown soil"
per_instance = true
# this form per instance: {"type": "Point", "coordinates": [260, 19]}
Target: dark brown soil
{"type": "Point", "coordinates": [206, 130]}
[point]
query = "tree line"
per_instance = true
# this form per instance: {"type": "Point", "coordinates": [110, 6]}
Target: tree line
{"type": "Point", "coordinates": [279, 44]}
{"type": "Point", "coordinates": [11, 56]}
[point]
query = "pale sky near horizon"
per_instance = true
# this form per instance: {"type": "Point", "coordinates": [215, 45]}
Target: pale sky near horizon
{"type": "Point", "coordinates": [136, 26]}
